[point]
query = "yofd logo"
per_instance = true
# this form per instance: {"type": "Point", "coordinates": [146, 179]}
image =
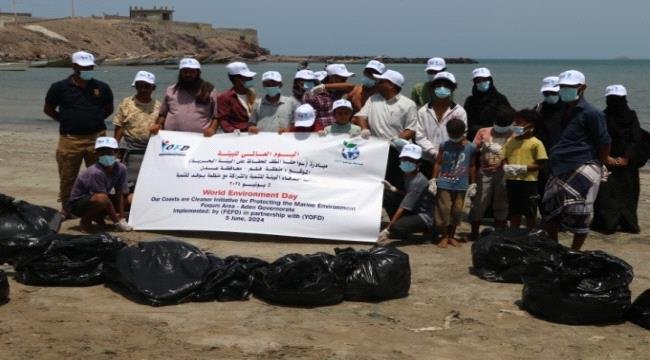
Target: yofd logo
{"type": "Point", "coordinates": [350, 150]}
{"type": "Point", "coordinates": [167, 148]}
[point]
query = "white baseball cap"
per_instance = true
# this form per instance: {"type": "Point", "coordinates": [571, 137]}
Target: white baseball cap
{"type": "Point", "coordinates": [550, 84]}
{"type": "Point", "coordinates": [105, 142]}
{"type": "Point", "coordinates": [392, 76]}
{"type": "Point", "coordinates": [411, 151]}
{"type": "Point", "coordinates": [83, 58]}
{"type": "Point", "coordinates": [272, 75]}
{"type": "Point", "coordinates": [338, 69]}
{"type": "Point", "coordinates": [376, 65]}
{"type": "Point", "coordinates": [320, 75]}
{"type": "Point", "coordinates": [189, 63]}
{"type": "Point", "coordinates": [304, 116]}
{"type": "Point", "coordinates": [305, 75]}
{"type": "Point", "coordinates": [341, 103]}
{"type": "Point", "coordinates": [445, 75]}
{"type": "Point", "coordinates": [616, 90]}
{"type": "Point", "coordinates": [436, 64]}
{"type": "Point", "coordinates": [144, 76]}
{"type": "Point", "coordinates": [481, 73]}
{"type": "Point", "coordinates": [571, 77]}
{"type": "Point", "coordinates": [240, 68]}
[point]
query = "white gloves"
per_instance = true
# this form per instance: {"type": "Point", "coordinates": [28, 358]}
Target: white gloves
{"type": "Point", "coordinates": [237, 132]}
{"type": "Point", "coordinates": [365, 133]}
{"type": "Point", "coordinates": [433, 186]}
{"type": "Point", "coordinates": [388, 186]}
{"type": "Point", "coordinates": [317, 88]}
{"type": "Point", "coordinates": [605, 174]}
{"type": "Point", "coordinates": [322, 132]}
{"type": "Point", "coordinates": [398, 142]}
{"type": "Point", "coordinates": [384, 236]}
{"type": "Point", "coordinates": [122, 225]}
{"type": "Point", "coordinates": [471, 190]}
{"type": "Point", "coordinates": [514, 170]}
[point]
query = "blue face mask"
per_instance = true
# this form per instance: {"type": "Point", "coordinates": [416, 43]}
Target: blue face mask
{"type": "Point", "coordinates": [568, 94]}
{"type": "Point", "coordinates": [249, 84]}
{"type": "Point", "coordinates": [551, 99]}
{"type": "Point", "coordinates": [501, 129]}
{"type": "Point", "coordinates": [407, 166]}
{"type": "Point", "coordinates": [458, 139]}
{"type": "Point", "coordinates": [87, 74]}
{"type": "Point", "coordinates": [367, 82]}
{"type": "Point", "coordinates": [272, 90]}
{"type": "Point", "coordinates": [483, 86]}
{"type": "Point", "coordinates": [107, 160]}
{"type": "Point", "coordinates": [308, 85]}
{"type": "Point", "coordinates": [442, 92]}
{"type": "Point", "coordinates": [518, 130]}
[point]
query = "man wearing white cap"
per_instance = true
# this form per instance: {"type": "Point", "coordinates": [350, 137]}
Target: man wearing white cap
{"type": "Point", "coordinates": [484, 102]}
{"type": "Point", "coordinates": [303, 81]}
{"type": "Point", "coordinates": [274, 111]}
{"type": "Point", "coordinates": [135, 115]}
{"type": "Point", "coordinates": [576, 162]}
{"type": "Point", "coordinates": [410, 211]}
{"type": "Point", "coordinates": [304, 120]}
{"type": "Point", "coordinates": [236, 104]}
{"type": "Point", "coordinates": [390, 116]}
{"type": "Point", "coordinates": [434, 116]}
{"type": "Point", "coordinates": [321, 98]}
{"type": "Point", "coordinates": [80, 103]}
{"type": "Point", "coordinates": [190, 104]}
{"type": "Point", "coordinates": [91, 198]}
{"type": "Point", "coordinates": [422, 92]}
{"type": "Point", "coordinates": [615, 208]}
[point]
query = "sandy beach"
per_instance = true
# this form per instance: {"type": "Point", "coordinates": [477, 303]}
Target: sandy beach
{"type": "Point", "coordinates": [449, 313]}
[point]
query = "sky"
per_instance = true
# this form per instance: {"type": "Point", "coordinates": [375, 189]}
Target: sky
{"type": "Point", "coordinates": [482, 29]}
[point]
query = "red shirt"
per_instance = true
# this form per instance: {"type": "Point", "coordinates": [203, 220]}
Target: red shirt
{"type": "Point", "coordinates": [231, 112]}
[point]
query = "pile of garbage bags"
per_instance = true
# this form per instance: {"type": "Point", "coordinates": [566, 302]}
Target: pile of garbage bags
{"type": "Point", "coordinates": [639, 312]}
{"type": "Point", "coordinates": [560, 285]}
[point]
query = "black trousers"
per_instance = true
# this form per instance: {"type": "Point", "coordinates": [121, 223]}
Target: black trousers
{"type": "Point", "coordinates": [409, 223]}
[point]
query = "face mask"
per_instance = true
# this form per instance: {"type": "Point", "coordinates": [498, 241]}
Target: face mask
{"type": "Point", "coordinates": [272, 90]}
{"type": "Point", "coordinates": [551, 99]}
{"type": "Point", "coordinates": [308, 85]}
{"type": "Point", "coordinates": [249, 84]}
{"type": "Point", "coordinates": [87, 74]}
{"type": "Point", "coordinates": [518, 130]}
{"type": "Point", "coordinates": [483, 86]}
{"type": "Point", "coordinates": [368, 82]}
{"type": "Point", "coordinates": [442, 92]}
{"type": "Point", "coordinates": [458, 139]}
{"type": "Point", "coordinates": [615, 102]}
{"type": "Point", "coordinates": [107, 160]}
{"type": "Point", "coordinates": [407, 166]}
{"type": "Point", "coordinates": [430, 77]}
{"type": "Point", "coordinates": [501, 129]}
{"type": "Point", "coordinates": [568, 94]}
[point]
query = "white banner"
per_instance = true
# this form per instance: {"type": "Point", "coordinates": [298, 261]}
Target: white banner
{"type": "Point", "coordinates": [295, 184]}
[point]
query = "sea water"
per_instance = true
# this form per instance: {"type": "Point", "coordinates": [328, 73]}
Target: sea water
{"type": "Point", "coordinates": [22, 93]}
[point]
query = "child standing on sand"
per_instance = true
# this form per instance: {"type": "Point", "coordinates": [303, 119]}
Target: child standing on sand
{"type": "Point", "coordinates": [523, 156]}
{"type": "Point", "coordinates": [454, 176]}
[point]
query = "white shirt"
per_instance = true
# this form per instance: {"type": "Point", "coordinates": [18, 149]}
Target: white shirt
{"type": "Point", "coordinates": [388, 118]}
{"type": "Point", "coordinates": [431, 132]}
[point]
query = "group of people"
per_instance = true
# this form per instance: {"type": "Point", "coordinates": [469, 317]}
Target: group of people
{"type": "Point", "coordinates": [510, 163]}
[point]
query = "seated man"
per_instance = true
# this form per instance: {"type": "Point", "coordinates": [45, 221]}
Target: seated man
{"type": "Point", "coordinates": [91, 197]}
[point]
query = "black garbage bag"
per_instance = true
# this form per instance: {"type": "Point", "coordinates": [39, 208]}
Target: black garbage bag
{"type": "Point", "coordinates": [502, 255]}
{"type": "Point", "coordinates": [69, 260]}
{"type": "Point", "coordinates": [299, 280]}
{"type": "Point", "coordinates": [582, 288]}
{"type": "Point", "coordinates": [228, 279]}
{"type": "Point", "coordinates": [160, 272]}
{"type": "Point", "coordinates": [380, 273]}
{"type": "Point", "coordinates": [639, 312]}
{"type": "Point", "coordinates": [4, 288]}
{"type": "Point", "coordinates": [23, 226]}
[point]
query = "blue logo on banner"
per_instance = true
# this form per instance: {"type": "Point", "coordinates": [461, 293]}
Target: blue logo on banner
{"type": "Point", "coordinates": [350, 151]}
{"type": "Point", "coordinates": [167, 148]}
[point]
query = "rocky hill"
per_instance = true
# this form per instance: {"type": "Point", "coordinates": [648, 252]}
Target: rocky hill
{"type": "Point", "coordinates": [122, 41]}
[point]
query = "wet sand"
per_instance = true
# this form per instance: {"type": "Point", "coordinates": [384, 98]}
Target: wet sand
{"type": "Point", "coordinates": [448, 315]}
